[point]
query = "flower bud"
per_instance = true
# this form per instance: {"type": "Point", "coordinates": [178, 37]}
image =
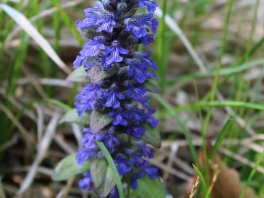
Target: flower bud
{"type": "Point", "coordinates": [122, 6]}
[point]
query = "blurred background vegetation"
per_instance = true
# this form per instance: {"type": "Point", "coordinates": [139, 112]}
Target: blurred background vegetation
{"type": "Point", "coordinates": [210, 58]}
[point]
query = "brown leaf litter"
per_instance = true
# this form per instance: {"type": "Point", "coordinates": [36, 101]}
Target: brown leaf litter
{"type": "Point", "coordinates": [225, 181]}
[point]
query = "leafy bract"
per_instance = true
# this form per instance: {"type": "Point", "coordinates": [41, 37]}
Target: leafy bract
{"type": "Point", "coordinates": [151, 136]}
{"type": "Point", "coordinates": [152, 86]}
{"type": "Point", "coordinates": [102, 176]}
{"type": "Point", "coordinates": [96, 73]}
{"type": "Point", "coordinates": [149, 188]}
{"type": "Point", "coordinates": [72, 116]}
{"type": "Point", "coordinates": [113, 168]}
{"type": "Point", "coordinates": [79, 75]}
{"type": "Point", "coordinates": [68, 167]}
{"type": "Point", "coordinates": [99, 120]}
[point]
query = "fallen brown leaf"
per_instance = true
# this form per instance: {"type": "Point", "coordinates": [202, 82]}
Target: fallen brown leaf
{"type": "Point", "coordinates": [225, 182]}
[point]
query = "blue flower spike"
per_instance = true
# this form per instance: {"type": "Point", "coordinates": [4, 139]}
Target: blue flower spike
{"type": "Point", "coordinates": [120, 97]}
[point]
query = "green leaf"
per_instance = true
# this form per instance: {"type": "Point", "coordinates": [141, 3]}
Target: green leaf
{"type": "Point", "coordinates": [96, 73]}
{"type": "Point", "coordinates": [99, 120]}
{"type": "Point", "coordinates": [151, 136]}
{"type": "Point", "coordinates": [79, 75]}
{"type": "Point", "coordinates": [69, 167]}
{"type": "Point", "coordinates": [149, 188]}
{"type": "Point", "coordinates": [72, 116]}
{"type": "Point", "coordinates": [152, 86]}
{"type": "Point", "coordinates": [113, 167]}
{"type": "Point", "coordinates": [102, 176]}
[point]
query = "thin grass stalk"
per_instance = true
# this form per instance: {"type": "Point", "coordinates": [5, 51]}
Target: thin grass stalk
{"type": "Point", "coordinates": [216, 77]}
{"type": "Point", "coordinates": [76, 35]}
{"type": "Point", "coordinates": [213, 104]}
{"type": "Point", "coordinates": [218, 68]}
{"type": "Point", "coordinates": [43, 57]}
{"type": "Point", "coordinates": [202, 179]}
{"type": "Point", "coordinates": [185, 132]}
{"type": "Point", "coordinates": [57, 30]}
{"type": "Point", "coordinates": [199, 109]}
{"type": "Point", "coordinates": [225, 72]}
{"type": "Point", "coordinates": [6, 30]}
{"type": "Point", "coordinates": [15, 72]}
{"type": "Point", "coordinates": [252, 173]}
{"type": "Point", "coordinates": [242, 87]}
{"type": "Point", "coordinates": [246, 57]}
{"type": "Point", "coordinates": [69, 23]}
{"type": "Point", "coordinates": [162, 71]}
{"type": "Point", "coordinates": [246, 87]}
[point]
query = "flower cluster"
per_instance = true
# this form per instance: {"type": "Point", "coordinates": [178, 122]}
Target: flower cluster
{"type": "Point", "coordinates": [117, 87]}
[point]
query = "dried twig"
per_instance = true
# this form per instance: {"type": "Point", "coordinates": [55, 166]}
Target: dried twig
{"type": "Point", "coordinates": [44, 144]}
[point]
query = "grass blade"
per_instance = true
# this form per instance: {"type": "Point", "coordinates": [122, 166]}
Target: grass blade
{"type": "Point", "coordinates": [220, 138]}
{"type": "Point", "coordinates": [223, 72]}
{"type": "Point", "coordinates": [185, 132]}
{"type": "Point", "coordinates": [162, 70]}
{"type": "Point", "coordinates": [113, 167]}
{"type": "Point", "coordinates": [252, 173]}
{"type": "Point", "coordinates": [69, 23]}
{"type": "Point", "coordinates": [24, 23]}
{"type": "Point", "coordinates": [201, 177]}
{"type": "Point", "coordinates": [220, 104]}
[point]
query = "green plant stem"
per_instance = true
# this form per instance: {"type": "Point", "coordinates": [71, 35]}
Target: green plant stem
{"type": "Point", "coordinates": [202, 179]}
{"type": "Point", "coordinates": [252, 173]}
{"type": "Point", "coordinates": [161, 48]}
{"type": "Point", "coordinates": [218, 68]}
{"type": "Point", "coordinates": [215, 83]}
